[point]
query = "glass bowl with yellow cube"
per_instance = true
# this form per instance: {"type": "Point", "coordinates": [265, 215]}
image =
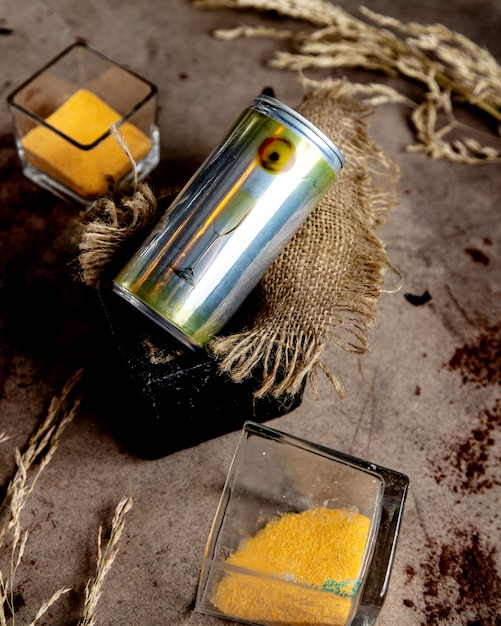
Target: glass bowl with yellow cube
{"type": "Point", "coordinates": [302, 535]}
{"type": "Point", "coordinates": [83, 122]}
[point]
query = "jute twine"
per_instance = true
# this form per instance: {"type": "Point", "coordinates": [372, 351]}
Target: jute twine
{"type": "Point", "coordinates": [324, 287]}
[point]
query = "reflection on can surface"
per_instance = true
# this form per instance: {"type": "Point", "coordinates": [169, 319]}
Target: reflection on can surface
{"type": "Point", "coordinates": [230, 222]}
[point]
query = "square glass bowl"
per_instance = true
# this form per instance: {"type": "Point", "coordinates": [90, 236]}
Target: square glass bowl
{"type": "Point", "coordinates": [83, 122]}
{"type": "Point", "coordinates": [302, 535]}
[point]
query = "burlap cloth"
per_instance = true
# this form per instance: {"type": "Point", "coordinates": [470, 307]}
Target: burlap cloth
{"type": "Point", "coordinates": [323, 288]}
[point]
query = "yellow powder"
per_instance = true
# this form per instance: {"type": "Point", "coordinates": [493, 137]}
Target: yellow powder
{"type": "Point", "coordinates": [320, 549]}
{"type": "Point", "coordinates": [84, 117]}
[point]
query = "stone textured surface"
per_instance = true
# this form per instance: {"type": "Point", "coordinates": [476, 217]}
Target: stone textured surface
{"type": "Point", "coordinates": [425, 401]}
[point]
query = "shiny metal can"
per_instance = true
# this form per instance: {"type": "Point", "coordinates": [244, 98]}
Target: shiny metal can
{"type": "Point", "coordinates": [230, 221]}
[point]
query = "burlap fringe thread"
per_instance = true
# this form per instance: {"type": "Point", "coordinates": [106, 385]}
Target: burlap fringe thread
{"type": "Point", "coordinates": [325, 285]}
{"type": "Point", "coordinates": [110, 224]}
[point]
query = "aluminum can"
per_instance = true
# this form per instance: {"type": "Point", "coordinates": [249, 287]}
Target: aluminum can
{"type": "Point", "coordinates": [230, 221]}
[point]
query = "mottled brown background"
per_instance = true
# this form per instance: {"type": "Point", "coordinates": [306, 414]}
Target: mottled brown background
{"type": "Point", "coordinates": [426, 400]}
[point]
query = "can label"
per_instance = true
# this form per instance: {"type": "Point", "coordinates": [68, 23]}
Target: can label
{"type": "Point", "coordinates": [230, 222]}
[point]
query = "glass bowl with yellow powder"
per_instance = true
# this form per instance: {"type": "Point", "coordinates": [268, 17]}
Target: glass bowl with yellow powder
{"type": "Point", "coordinates": [302, 535]}
{"type": "Point", "coordinates": [83, 123]}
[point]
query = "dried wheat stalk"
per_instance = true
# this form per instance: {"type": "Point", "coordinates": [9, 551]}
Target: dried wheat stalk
{"type": "Point", "coordinates": [46, 605]}
{"type": "Point", "coordinates": [449, 66]}
{"type": "Point", "coordinates": [105, 559]}
{"type": "Point", "coordinates": [40, 450]}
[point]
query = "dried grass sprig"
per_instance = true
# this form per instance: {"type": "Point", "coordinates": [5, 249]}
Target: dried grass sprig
{"type": "Point", "coordinates": [318, 12]}
{"type": "Point", "coordinates": [105, 559]}
{"type": "Point", "coordinates": [369, 94]}
{"type": "Point", "coordinates": [449, 66]}
{"type": "Point", "coordinates": [42, 446]}
{"type": "Point", "coordinates": [462, 66]}
{"type": "Point", "coordinates": [40, 450]}
{"type": "Point", "coordinates": [48, 603]}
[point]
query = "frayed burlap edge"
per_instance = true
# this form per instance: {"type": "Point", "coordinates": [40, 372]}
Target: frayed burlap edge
{"type": "Point", "coordinates": [325, 285]}
{"type": "Point", "coordinates": [108, 226]}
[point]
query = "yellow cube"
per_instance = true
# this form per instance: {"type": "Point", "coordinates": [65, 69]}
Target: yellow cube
{"type": "Point", "coordinates": [84, 118]}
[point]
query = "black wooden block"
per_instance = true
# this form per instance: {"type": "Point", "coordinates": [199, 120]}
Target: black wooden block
{"type": "Point", "coordinates": [159, 396]}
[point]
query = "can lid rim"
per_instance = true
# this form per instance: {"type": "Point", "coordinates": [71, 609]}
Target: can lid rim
{"type": "Point", "coordinates": [313, 131]}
